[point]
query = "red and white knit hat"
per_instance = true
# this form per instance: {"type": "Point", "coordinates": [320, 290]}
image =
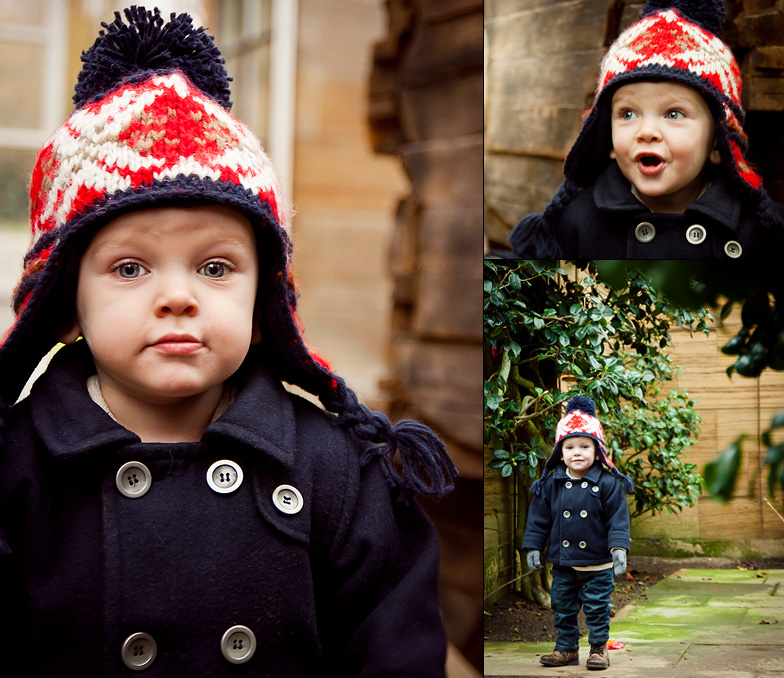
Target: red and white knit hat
{"type": "Point", "coordinates": [152, 127]}
{"type": "Point", "coordinates": [675, 40]}
{"type": "Point", "coordinates": [580, 420]}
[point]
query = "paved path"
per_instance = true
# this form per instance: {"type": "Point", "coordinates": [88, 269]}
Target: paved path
{"type": "Point", "coordinates": [694, 624]}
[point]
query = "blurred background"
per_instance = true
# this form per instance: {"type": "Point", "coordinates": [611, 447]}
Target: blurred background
{"type": "Point", "coordinates": [371, 111]}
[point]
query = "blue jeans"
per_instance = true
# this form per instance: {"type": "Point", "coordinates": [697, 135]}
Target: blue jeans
{"type": "Point", "coordinates": [572, 588]}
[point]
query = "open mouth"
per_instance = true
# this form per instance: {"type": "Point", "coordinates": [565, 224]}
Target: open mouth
{"type": "Point", "coordinates": [649, 163]}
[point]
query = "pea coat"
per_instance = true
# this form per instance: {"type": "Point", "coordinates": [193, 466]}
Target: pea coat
{"type": "Point", "coordinates": [581, 519]}
{"type": "Point", "coordinates": [605, 221]}
{"type": "Point", "coordinates": [265, 549]}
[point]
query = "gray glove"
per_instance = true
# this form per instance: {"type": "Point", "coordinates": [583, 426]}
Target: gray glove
{"type": "Point", "coordinates": [619, 562]}
{"type": "Point", "coordinates": [534, 560]}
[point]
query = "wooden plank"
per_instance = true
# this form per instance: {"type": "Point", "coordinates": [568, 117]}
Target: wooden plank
{"type": "Point", "coordinates": [552, 28]}
{"type": "Point", "coordinates": [446, 172]}
{"type": "Point", "coordinates": [448, 108]}
{"type": "Point", "coordinates": [442, 49]}
{"type": "Point", "coordinates": [739, 518]}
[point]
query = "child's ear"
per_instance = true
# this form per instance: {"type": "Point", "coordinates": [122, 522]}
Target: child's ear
{"type": "Point", "coordinates": [70, 334]}
{"type": "Point", "coordinates": [613, 154]}
{"type": "Point", "coordinates": [255, 337]}
{"type": "Point", "coordinates": [715, 156]}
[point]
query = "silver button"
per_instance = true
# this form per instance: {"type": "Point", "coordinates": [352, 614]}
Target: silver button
{"type": "Point", "coordinates": [582, 544]}
{"type": "Point", "coordinates": [695, 234]}
{"type": "Point", "coordinates": [139, 651]}
{"type": "Point", "coordinates": [238, 644]}
{"type": "Point", "coordinates": [595, 488]}
{"type": "Point", "coordinates": [566, 543]}
{"type": "Point", "coordinates": [133, 479]}
{"type": "Point", "coordinates": [224, 476]}
{"type": "Point", "coordinates": [583, 514]}
{"type": "Point", "coordinates": [287, 499]}
{"type": "Point", "coordinates": [567, 514]}
{"type": "Point", "coordinates": [568, 485]}
{"type": "Point", "coordinates": [584, 485]}
{"type": "Point", "coordinates": [645, 232]}
{"type": "Point", "coordinates": [733, 249]}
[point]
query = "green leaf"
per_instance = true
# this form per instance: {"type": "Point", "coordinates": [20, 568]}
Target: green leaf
{"type": "Point", "coordinates": [506, 365]}
{"type": "Point", "coordinates": [514, 281]}
{"type": "Point", "coordinates": [506, 471]}
{"type": "Point", "coordinates": [493, 401]}
{"type": "Point", "coordinates": [488, 286]}
{"type": "Point", "coordinates": [501, 454]}
{"type": "Point", "coordinates": [721, 473]}
{"type": "Point", "coordinates": [514, 347]}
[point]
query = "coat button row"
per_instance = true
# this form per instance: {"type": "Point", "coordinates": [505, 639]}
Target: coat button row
{"type": "Point", "coordinates": [695, 234]}
{"type": "Point", "coordinates": [568, 514]}
{"type": "Point", "coordinates": [566, 544]}
{"type": "Point", "coordinates": [140, 649]}
{"type": "Point", "coordinates": [133, 479]}
{"type": "Point", "coordinates": [568, 485]}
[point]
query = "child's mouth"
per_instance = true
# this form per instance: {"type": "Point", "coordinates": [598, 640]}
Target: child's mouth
{"type": "Point", "coordinates": [649, 164]}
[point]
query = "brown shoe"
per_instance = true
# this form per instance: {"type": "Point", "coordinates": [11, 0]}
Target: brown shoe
{"type": "Point", "coordinates": [599, 658]}
{"type": "Point", "coordinates": [560, 658]}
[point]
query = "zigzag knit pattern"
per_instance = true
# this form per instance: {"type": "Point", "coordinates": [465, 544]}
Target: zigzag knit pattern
{"type": "Point", "coordinates": [163, 129]}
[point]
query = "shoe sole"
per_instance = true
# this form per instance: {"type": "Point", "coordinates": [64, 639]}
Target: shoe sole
{"type": "Point", "coordinates": [597, 668]}
{"type": "Point", "coordinates": [574, 662]}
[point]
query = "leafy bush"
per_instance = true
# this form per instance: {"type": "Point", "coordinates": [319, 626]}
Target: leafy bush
{"type": "Point", "coordinates": [608, 343]}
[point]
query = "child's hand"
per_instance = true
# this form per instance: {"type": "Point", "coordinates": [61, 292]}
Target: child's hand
{"type": "Point", "coordinates": [619, 562]}
{"type": "Point", "coordinates": [534, 560]}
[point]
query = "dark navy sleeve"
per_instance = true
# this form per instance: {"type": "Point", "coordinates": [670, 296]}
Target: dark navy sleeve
{"type": "Point", "coordinates": [616, 514]}
{"type": "Point", "coordinates": [375, 575]}
{"type": "Point", "coordinates": [539, 521]}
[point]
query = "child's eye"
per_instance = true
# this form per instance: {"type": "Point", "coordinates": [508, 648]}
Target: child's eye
{"type": "Point", "coordinates": [675, 114]}
{"type": "Point", "coordinates": [214, 269]}
{"type": "Point", "coordinates": [627, 114]}
{"type": "Point", "coordinates": [129, 270]}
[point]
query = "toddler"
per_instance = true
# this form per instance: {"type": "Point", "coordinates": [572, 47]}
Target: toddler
{"type": "Point", "coordinates": [580, 508]}
{"type": "Point", "coordinates": [166, 505]}
{"type": "Point", "coordinates": [658, 170]}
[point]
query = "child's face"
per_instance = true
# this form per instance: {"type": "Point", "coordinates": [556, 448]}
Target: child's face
{"type": "Point", "coordinates": [663, 136]}
{"type": "Point", "coordinates": [165, 301]}
{"type": "Point", "coordinates": [579, 453]}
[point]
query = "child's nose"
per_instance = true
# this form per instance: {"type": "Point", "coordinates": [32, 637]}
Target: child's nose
{"type": "Point", "coordinates": [649, 129]}
{"type": "Point", "coordinates": [176, 296]}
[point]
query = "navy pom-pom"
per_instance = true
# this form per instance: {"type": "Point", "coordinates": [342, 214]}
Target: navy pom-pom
{"type": "Point", "coordinates": [130, 53]}
{"type": "Point", "coordinates": [706, 13]}
{"type": "Point", "coordinates": [582, 403]}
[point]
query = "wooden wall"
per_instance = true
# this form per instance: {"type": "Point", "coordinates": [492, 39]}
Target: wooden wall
{"type": "Point", "coordinates": [745, 526]}
{"type": "Point", "coordinates": [541, 69]}
{"type": "Point", "coordinates": [345, 196]}
{"type": "Point", "coordinates": [425, 110]}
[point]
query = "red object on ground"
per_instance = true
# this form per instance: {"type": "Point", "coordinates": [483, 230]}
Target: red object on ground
{"type": "Point", "coordinates": [615, 645]}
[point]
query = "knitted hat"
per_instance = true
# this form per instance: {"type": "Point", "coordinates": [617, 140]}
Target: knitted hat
{"type": "Point", "coordinates": [580, 420]}
{"type": "Point", "coordinates": [673, 40]}
{"type": "Point", "coordinates": [152, 127]}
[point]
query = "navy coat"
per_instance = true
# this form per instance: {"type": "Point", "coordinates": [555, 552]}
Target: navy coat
{"type": "Point", "coordinates": [581, 519]}
{"type": "Point", "coordinates": [606, 221]}
{"type": "Point", "coordinates": [346, 586]}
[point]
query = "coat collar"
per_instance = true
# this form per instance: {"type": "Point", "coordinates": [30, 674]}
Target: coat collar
{"type": "Point", "coordinates": [720, 202]}
{"type": "Point", "coordinates": [593, 474]}
{"type": "Point", "coordinates": [71, 424]}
